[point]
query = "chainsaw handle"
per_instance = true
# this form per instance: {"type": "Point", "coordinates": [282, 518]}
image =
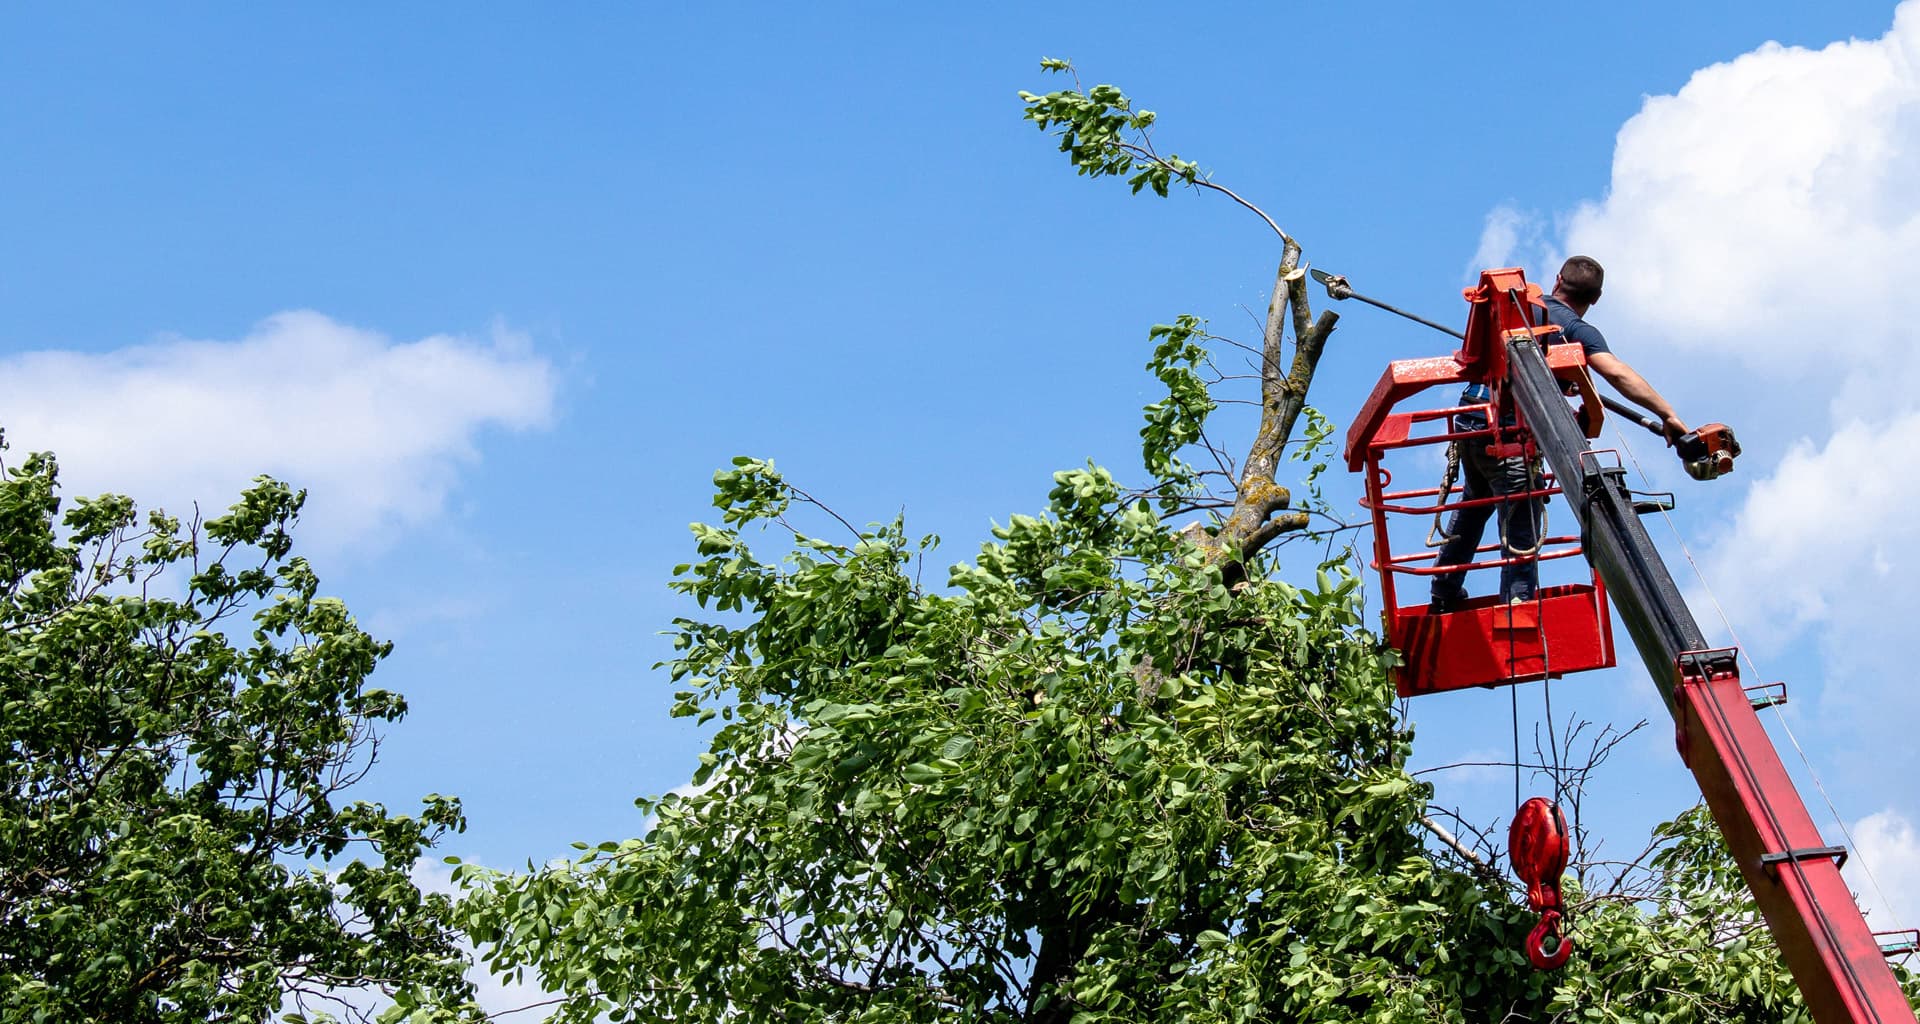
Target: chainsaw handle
{"type": "Point", "coordinates": [1633, 414]}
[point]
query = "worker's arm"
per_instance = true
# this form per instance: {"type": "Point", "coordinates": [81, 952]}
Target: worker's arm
{"type": "Point", "coordinates": [1635, 387]}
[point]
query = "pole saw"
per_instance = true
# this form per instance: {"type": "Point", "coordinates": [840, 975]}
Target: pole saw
{"type": "Point", "coordinates": [1707, 452]}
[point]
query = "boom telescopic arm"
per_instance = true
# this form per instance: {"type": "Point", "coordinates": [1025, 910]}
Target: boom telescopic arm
{"type": "Point", "coordinates": [1707, 452]}
{"type": "Point", "coordinates": [1338, 288]}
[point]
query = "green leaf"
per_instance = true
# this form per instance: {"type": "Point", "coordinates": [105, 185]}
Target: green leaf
{"type": "Point", "coordinates": [921, 774]}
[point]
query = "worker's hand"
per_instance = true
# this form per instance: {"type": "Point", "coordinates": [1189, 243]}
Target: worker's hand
{"type": "Point", "coordinates": [1674, 427]}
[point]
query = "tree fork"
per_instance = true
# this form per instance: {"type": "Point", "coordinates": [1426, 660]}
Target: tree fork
{"type": "Point", "coordinates": [1252, 524]}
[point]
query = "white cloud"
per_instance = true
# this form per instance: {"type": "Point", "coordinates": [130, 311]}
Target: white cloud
{"type": "Point", "coordinates": [1820, 539]}
{"type": "Point", "coordinates": [1764, 212]}
{"type": "Point", "coordinates": [1758, 232]}
{"type": "Point", "coordinates": [377, 430]}
{"type": "Point", "coordinates": [1511, 237]}
{"type": "Point", "coordinates": [1499, 238]}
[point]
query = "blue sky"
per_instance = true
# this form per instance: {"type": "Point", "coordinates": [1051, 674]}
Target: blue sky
{"type": "Point", "coordinates": [504, 286]}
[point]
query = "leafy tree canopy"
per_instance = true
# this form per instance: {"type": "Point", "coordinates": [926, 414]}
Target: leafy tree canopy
{"type": "Point", "coordinates": [169, 772]}
{"type": "Point", "coordinates": [952, 805]}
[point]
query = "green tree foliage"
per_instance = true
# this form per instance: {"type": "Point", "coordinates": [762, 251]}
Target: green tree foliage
{"type": "Point", "coordinates": [168, 768]}
{"type": "Point", "coordinates": [966, 803]}
{"type": "Point", "coordinates": [932, 804]}
{"type": "Point", "coordinates": [1104, 135]}
{"type": "Point", "coordinates": [952, 805]}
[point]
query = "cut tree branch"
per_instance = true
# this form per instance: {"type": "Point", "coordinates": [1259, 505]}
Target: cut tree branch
{"type": "Point", "coordinates": [1487, 872]}
{"type": "Point", "coordinates": [1253, 524]}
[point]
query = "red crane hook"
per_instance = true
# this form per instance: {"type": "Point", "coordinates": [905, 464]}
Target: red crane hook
{"type": "Point", "coordinates": [1537, 844]}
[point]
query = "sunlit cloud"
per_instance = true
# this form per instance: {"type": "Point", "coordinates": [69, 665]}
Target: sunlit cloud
{"type": "Point", "coordinates": [378, 430]}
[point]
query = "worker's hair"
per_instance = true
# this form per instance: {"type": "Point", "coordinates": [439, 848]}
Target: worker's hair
{"type": "Point", "coordinates": [1580, 279]}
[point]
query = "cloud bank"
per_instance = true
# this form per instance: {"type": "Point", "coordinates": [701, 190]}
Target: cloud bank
{"type": "Point", "coordinates": [1765, 213]}
{"type": "Point", "coordinates": [1758, 231]}
{"type": "Point", "coordinates": [377, 430]}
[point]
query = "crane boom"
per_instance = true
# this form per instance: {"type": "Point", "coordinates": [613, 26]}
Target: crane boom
{"type": "Point", "coordinates": [1795, 877]}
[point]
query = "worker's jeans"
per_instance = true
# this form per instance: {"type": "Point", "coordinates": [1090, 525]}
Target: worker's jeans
{"type": "Point", "coordinates": [1483, 476]}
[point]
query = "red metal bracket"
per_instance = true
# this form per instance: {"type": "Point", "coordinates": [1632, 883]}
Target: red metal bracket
{"type": "Point", "coordinates": [1898, 942]}
{"type": "Point", "coordinates": [1490, 317]}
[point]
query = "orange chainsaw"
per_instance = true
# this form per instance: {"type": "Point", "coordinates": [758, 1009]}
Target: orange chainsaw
{"type": "Point", "coordinates": [1707, 452]}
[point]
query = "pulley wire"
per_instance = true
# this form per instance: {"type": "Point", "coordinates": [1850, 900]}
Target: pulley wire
{"type": "Point", "coordinates": [1531, 507]}
{"type": "Point", "coordinates": [1536, 510]}
{"type": "Point", "coordinates": [1778, 715]}
{"type": "Point", "coordinates": [1546, 650]}
{"type": "Point", "coordinates": [1513, 695]}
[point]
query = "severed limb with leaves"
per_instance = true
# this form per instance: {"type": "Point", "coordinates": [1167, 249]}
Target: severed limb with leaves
{"type": "Point", "coordinates": [1104, 136]}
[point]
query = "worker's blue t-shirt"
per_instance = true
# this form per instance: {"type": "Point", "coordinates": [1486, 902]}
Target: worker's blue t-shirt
{"type": "Point", "coordinates": [1572, 328]}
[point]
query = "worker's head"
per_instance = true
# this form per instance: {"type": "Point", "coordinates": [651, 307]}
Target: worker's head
{"type": "Point", "coordinates": [1579, 281]}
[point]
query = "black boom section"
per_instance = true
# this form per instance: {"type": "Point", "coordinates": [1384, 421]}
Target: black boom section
{"type": "Point", "coordinates": [1615, 541]}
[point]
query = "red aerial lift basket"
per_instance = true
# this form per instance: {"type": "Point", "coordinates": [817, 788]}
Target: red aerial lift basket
{"type": "Point", "coordinates": [1481, 642]}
